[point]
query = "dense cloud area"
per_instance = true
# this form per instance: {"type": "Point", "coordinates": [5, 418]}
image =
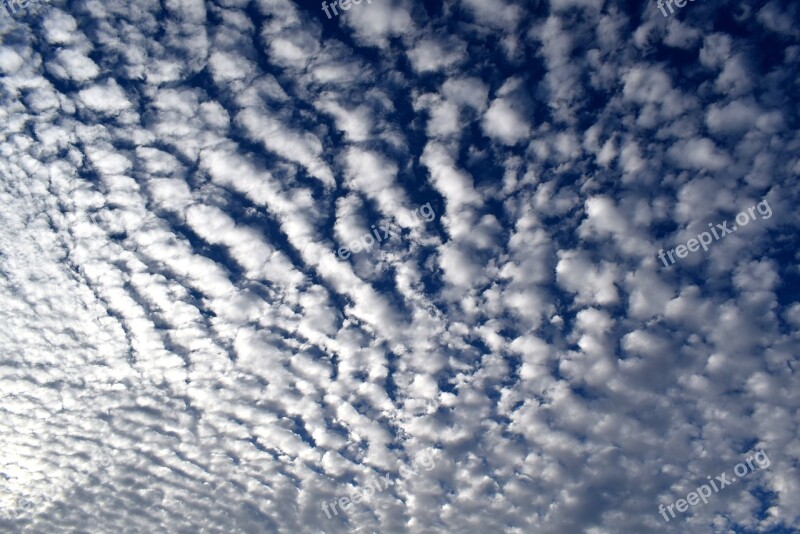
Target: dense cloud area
{"type": "Point", "coordinates": [258, 262]}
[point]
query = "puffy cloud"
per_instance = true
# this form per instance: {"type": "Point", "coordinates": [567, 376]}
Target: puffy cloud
{"type": "Point", "coordinates": [505, 122]}
{"type": "Point", "coordinates": [107, 97]}
{"type": "Point", "coordinates": [72, 65]}
{"type": "Point", "coordinates": [432, 55]}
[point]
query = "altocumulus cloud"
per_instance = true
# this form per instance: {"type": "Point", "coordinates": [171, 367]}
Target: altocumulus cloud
{"type": "Point", "coordinates": [176, 176]}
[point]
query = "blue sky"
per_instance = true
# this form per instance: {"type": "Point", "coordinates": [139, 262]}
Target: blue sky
{"type": "Point", "coordinates": [184, 351]}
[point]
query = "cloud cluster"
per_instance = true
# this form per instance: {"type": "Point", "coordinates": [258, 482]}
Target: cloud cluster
{"type": "Point", "coordinates": [177, 175]}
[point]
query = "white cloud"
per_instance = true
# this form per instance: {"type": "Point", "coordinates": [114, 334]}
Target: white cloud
{"type": "Point", "coordinates": [432, 55]}
{"type": "Point", "coordinates": [504, 122]}
{"type": "Point", "coordinates": [71, 64]}
{"type": "Point", "coordinates": [108, 97]}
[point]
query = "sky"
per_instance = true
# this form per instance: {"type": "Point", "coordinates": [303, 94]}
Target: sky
{"type": "Point", "coordinates": [400, 266]}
